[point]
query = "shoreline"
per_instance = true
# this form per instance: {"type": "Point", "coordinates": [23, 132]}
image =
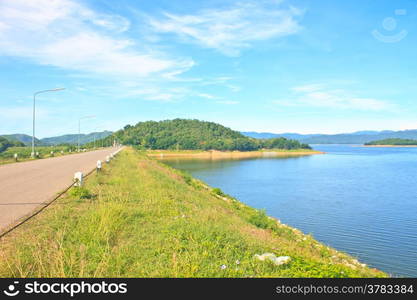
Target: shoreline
{"type": "Point", "coordinates": [390, 146]}
{"type": "Point", "coordinates": [214, 154]}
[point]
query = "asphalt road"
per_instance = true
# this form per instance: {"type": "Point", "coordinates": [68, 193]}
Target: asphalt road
{"type": "Point", "coordinates": [27, 186]}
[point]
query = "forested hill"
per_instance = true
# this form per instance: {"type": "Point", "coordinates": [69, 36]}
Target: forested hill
{"type": "Point", "coordinates": [5, 143]}
{"type": "Point", "coordinates": [185, 134]}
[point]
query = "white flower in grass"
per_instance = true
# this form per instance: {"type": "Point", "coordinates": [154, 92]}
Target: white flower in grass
{"type": "Point", "coordinates": [237, 262]}
{"type": "Point", "coordinates": [223, 267]}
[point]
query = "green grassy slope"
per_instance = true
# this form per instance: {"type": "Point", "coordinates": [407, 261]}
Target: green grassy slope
{"type": "Point", "coordinates": [140, 218]}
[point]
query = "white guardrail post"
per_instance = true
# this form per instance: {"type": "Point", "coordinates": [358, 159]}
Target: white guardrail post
{"type": "Point", "coordinates": [98, 169]}
{"type": "Point", "coordinates": [78, 179]}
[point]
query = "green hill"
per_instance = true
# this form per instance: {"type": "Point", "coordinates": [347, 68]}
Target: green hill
{"type": "Point", "coordinates": [394, 142]}
{"type": "Point", "coordinates": [6, 143]}
{"type": "Point", "coordinates": [183, 134]}
{"type": "Point", "coordinates": [20, 137]}
{"type": "Point", "coordinates": [73, 138]}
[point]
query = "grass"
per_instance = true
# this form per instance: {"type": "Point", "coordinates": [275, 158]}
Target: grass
{"type": "Point", "coordinates": [141, 218]}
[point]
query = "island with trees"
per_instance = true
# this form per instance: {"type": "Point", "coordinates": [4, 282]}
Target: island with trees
{"type": "Point", "coordinates": [184, 134]}
{"type": "Point", "coordinates": [393, 142]}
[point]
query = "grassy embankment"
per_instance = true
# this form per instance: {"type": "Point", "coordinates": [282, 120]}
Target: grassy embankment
{"type": "Point", "coordinates": [140, 218]}
{"type": "Point", "coordinates": [229, 154]}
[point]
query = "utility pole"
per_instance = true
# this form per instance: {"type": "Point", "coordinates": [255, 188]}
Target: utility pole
{"type": "Point", "coordinates": [33, 124]}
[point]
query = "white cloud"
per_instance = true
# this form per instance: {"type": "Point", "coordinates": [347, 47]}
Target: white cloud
{"type": "Point", "coordinates": [162, 97]}
{"type": "Point", "coordinates": [230, 30]}
{"type": "Point", "coordinates": [207, 96]}
{"type": "Point", "coordinates": [69, 35]}
{"type": "Point", "coordinates": [234, 88]}
{"type": "Point", "coordinates": [317, 95]}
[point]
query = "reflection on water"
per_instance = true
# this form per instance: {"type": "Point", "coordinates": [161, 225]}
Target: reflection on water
{"type": "Point", "coordinates": [358, 200]}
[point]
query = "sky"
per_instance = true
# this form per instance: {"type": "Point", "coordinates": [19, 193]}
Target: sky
{"type": "Point", "coordinates": [306, 66]}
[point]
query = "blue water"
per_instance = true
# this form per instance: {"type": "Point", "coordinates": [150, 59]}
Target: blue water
{"type": "Point", "coordinates": [360, 200]}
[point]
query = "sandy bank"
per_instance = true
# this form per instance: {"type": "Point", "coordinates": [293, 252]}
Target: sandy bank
{"type": "Point", "coordinates": [229, 154]}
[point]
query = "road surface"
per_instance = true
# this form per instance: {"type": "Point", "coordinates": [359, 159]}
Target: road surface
{"type": "Point", "coordinates": [27, 186]}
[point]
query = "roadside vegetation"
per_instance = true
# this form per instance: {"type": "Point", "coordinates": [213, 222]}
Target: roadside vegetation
{"type": "Point", "coordinates": [182, 134]}
{"type": "Point", "coordinates": [141, 218]}
{"type": "Point", "coordinates": [20, 145]}
{"type": "Point", "coordinates": [24, 153]}
{"type": "Point", "coordinates": [399, 142]}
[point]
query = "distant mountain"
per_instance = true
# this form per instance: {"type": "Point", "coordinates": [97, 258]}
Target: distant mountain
{"type": "Point", "coordinates": [269, 135]}
{"type": "Point", "coordinates": [359, 137]}
{"type": "Point", "coordinates": [370, 132]}
{"type": "Point", "coordinates": [260, 135]}
{"type": "Point", "coordinates": [63, 139]}
{"type": "Point", "coordinates": [73, 138]}
{"type": "Point", "coordinates": [24, 138]}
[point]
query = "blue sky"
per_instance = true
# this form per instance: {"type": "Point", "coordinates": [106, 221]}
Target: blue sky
{"type": "Point", "coordinates": [280, 66]}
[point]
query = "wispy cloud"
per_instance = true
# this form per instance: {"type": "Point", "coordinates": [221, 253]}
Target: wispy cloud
{"type": "Point", "coordinates": [318, 95]}
{"type": "Point", "coordinates": [231, 29]}
{"type": "Point", "coordinates": [207, 96]}
{"type": "Point", "coordinates": [69, 35]}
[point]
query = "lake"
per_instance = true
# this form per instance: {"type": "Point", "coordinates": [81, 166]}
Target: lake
{"type": "Point", "coordinates": [359, 200]}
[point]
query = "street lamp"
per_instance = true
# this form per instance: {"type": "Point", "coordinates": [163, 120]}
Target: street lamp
{"type": "Point", "coordinates": [34, 101]}
{"type": "Point", "coordinates": [79, 128]}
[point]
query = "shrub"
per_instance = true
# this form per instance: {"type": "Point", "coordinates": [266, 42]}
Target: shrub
{"type": "Point", "coordinates": [218, 192]}
{"type": "Point", "coordinates": [80, 192]}
{"type": "Point", "coordinates": [261, 220]}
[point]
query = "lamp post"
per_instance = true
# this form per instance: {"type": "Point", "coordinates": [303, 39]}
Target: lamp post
{"type": "Point", "coordinates": [79, 128]}
{"type": "Point", "coordinates": [33, 125]}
